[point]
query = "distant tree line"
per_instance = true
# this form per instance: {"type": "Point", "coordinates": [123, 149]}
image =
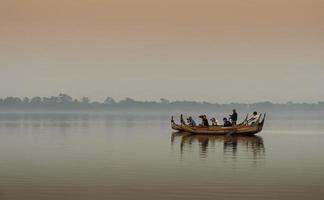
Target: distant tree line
{"type": "Point", "coordinates": [66, 102]}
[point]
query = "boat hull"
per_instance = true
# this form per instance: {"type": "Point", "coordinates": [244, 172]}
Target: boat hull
{"type": "Point", "coordinates": [241, 129]}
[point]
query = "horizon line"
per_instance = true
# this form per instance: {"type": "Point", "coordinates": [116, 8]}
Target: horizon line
{"type": "Point", "coordinates": [160, 100]}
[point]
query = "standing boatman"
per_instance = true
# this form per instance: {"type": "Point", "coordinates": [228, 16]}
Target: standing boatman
{"type": "Point", "coordinates": [233, 117]}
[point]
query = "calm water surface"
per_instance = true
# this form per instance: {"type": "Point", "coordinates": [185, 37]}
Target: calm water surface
{"type": "Point", "coordinates": [136, 156]}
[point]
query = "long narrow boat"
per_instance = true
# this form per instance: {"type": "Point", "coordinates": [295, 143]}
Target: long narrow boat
{"type": "Point", "coordinates": [241, 129]}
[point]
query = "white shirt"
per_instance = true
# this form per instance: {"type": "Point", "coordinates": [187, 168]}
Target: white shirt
{"type": "Point", "coordinates": [254, 118]}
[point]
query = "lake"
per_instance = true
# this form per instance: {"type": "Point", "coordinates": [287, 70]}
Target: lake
{"type": "Point", "coordinates": [136, 155]}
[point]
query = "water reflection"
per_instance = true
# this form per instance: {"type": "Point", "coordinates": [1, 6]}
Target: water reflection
{"type": "Point", "coordinates": [232, 146]}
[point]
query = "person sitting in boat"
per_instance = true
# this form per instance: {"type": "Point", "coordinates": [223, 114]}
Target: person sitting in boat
{"type": "Point", "coordinates": [191, 121]}
{"type": "Point", "coordinates": [214, 121]}
{"type": "Point", "coordinates": [233, 117]}
{"type": "Point", "coordinates": [204, 121]}
{"type": "Point", "coordinates": [226, 122]}
{"type": "Point", "coordinates": [253, 119]}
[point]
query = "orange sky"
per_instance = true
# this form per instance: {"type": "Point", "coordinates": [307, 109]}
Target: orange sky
{"type": "Point", "coordinates": [107, 35]}
{"type": "Point", "coordinates": [124, 18]}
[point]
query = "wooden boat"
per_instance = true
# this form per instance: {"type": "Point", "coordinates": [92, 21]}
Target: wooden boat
{"type": "Point", "coordinates": [241, 129]}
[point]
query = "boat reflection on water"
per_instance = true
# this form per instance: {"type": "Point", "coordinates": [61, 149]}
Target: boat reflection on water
{"type": "Point", "coordinates": [232, 146]}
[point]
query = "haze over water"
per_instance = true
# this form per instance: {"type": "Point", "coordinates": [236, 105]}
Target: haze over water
{"type": "Point", "coordinates": [136, 156]}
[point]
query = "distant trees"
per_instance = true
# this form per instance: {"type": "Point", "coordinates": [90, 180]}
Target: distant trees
{"type": "Point", "coordinates": [65, 101]}
{"type": "Point", "coordinates": [164, 101]}
{"type": "Point", "coordinates": [128, 101]}
{"type": "Point", "coordinates": [50, 100]}
{"type": "Point", "coordinates": [26, 100]}
{"type": "Point", "coordinates": [36, 100]}
{"type": "Point", "coordinates": [85, 100]}
{"type": "Point", "coordinates": [12, 101]}
{"type": "Point", "coordinates": [64, 98]}
{"type": "Point", "coordinates": [109, 101]}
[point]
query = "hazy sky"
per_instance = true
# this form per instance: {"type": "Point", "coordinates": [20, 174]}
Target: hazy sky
{"type": "Point", "coordinates": [206, 50]}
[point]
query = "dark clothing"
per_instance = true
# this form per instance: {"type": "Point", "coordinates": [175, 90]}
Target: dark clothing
{"type": "Point", "coordinates": [234, 117]}
{"type": "Point", "coordinates": [205, 122]}
{"type": "Point", "coordinates": [227, 124]}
